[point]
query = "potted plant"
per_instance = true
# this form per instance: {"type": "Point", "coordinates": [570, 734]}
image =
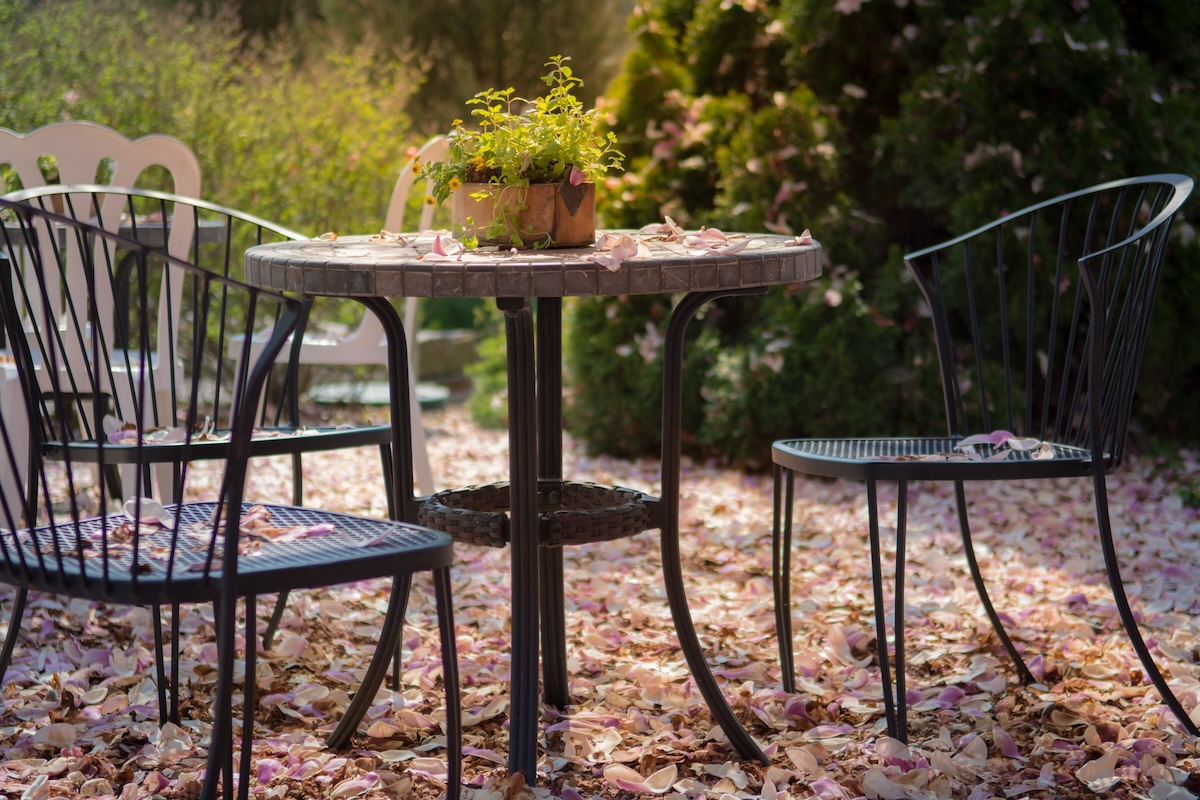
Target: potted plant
{"type": "Point", "coordinates": [525, 177]}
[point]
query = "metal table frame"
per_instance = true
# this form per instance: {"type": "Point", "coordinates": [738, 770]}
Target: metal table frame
{"type": "Point", "coordinates": [535, 457]}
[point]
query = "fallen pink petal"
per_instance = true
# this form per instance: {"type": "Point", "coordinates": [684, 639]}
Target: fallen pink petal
{"type": "Point", "coordinates": [995, 438]}
{"type": "Point", "coordinates": [149, 511]}
{"type": "Point", "coordinates": [1089, 726]}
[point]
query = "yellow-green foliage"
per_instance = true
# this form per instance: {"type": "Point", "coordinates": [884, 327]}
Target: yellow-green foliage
{"type": "Point", "coordinates": [314, 143]}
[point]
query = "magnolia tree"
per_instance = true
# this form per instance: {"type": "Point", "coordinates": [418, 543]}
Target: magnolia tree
{"type": "Point", "coordinates": [883, 126]}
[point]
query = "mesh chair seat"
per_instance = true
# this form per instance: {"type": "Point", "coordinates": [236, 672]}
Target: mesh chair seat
{"type": "Point", "coordinates": [291, 548]}
{"type": "Point", "coordinates": [925, 458]}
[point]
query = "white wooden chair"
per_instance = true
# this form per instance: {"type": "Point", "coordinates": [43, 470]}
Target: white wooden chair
{"type": "Point", "coordinates": [365, 344]}
{"type": "Point", "coordinates": [79, 149]}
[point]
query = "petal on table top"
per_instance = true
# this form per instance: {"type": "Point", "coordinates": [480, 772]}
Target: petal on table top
{"type": "Point", "coordinates": [707, 238]}
{"type": "Point", "coordinates": [443, 251]}
{"type": "Point", "coordinates": [735, 247]}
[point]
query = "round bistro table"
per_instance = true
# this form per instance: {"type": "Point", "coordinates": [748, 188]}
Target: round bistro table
{"type": "Point", "coordinates": [544, 511]}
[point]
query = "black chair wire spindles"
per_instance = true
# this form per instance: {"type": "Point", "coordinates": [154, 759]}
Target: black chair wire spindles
{"type": "Point", "coordinates": [88, 527]}
{"type": "Point", "coordinates": [1040, 319]}
{"type": "Point", "coordinates": [214, 237]}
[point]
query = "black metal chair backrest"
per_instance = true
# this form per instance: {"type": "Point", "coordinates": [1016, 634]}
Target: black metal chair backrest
{"type": "Point", "coordinates": [1041, 317]}
{"type": "Point", "coordinates": [207, 235]}
{"type": "Point", "coordinates": [80, 363]}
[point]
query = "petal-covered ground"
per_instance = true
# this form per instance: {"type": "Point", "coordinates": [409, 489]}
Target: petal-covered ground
{"type": "Point", "coordinates": [79, 704]}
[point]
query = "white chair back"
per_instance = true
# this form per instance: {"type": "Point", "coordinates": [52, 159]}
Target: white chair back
{"type": "Point", "coordinates": [366, 344]}
{"type": "Point", "coordinates": [78, 150]}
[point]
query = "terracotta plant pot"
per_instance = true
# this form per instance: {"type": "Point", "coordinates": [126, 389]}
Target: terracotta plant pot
{"type": "Point", "coordinates": [545, 214]}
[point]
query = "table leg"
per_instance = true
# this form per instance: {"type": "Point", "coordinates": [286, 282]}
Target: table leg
{"type": "Point", "coordinates": [523, 528]}
{"type": "Point", "coordinates": [672, 566]}
{"type": "Point", "coordinates": [555, 690]}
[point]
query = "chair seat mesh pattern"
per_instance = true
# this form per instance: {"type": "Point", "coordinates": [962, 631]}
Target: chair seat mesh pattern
{"type": "Point", "coordinates": [917, 449]}
{"type": "Point", "coordinates": [281, 538]}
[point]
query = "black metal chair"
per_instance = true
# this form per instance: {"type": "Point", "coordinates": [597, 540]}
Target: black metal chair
{"type": "Point", "coordinates": [77, 365]}
{"type": "Point", "coordinates": [213, 237]}
{"type": "Point", "coordinates": [1040, 319]}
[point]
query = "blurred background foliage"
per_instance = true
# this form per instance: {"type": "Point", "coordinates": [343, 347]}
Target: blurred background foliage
{"type": "Point", "coordinates": [881, 125]}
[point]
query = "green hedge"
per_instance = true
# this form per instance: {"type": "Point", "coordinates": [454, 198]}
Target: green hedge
{"type": "Point", "coordinates": [883, 127]}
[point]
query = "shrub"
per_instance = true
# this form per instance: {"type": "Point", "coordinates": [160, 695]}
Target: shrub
{"type": "Point", "coordinates": [883, 127]}
{"type": "Point", "coordinates": [312, 143]}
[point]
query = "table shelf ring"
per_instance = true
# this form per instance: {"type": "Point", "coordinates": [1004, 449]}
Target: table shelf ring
{"type": "Point", "coordinates": [569, 512]}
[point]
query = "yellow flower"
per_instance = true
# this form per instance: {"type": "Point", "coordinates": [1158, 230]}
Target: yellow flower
{"type": "Point", "coordinates": [454, 183]}
{"type": "Point", "coordinates": [429, 200]}
{"type": "Point", "coordinates": [416, 167]}
{"type": "Point", "coordinates": [456, 123]}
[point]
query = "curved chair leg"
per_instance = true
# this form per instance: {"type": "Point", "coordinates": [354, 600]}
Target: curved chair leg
{"type": "Point", "coordinates": [781, 572]}
{"type": "Point", "coordinates": [964, 526]}
{"type": "Point", "coordinates": [281, 600]}
{"type": "Point", "coordinates": [881, 641]}
{"type": "Point", "coordinates": [389, 640]}
{"type": "Point", "coordinates": [14, 628]}
{"type": "Point", "coordinates": [445, 612]}
{"type": "Point", "coordinates": [385, 452]}
{"type": "Point", "coordinates": [1113, 568]}
{"type": "Point", "coordinates": [273, 624]}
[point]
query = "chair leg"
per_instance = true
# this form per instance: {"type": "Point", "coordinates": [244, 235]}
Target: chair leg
{"type": "Point", "coordinates": [297, 480]}
{"type": "Point", "coordinates": [389, 640]}
{"type": "Point", "coordinates": [445, 612]}
{"type": "Point", "coordinates": [298, 501]}
{"type": "Point", "coordinates": [964, 526]}
{"type": "Point", "coordinates": [220, 746]}
{"type": "Point", "coordinates": [881, 642]}
{"type": "Point", "coordinates": [389, 482]}
{"type": "Point", "coordinates": [175, 663]}
{"type": "Point", "coordinates": [248, 690]}
{"type": "Point", "coordinates": [898, 625]}
{"type": "Point", "coordinates": [781, 573]}
{"type": "Point", "coordinates": [160, 664]}
{"type": "Point", "coordinates": [1113, 568]}
{"type": "Point", "coordinates": [276, 617]}
{"type": "Point", "coordinates": [14, 628]}
{"type": "Point", "coordinates": [385, 453]}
